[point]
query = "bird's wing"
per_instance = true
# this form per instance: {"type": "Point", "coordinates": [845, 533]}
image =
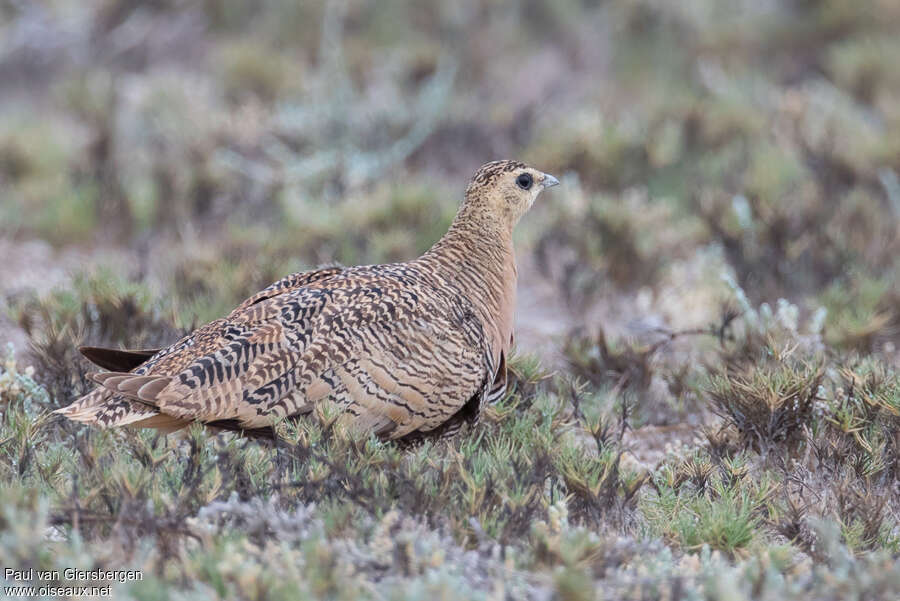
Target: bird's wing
{"type": "Point", "coordinates": [395, 356]}
{"type": "Point", "coordinates": [126, 360]}
{"type": "Point", "coordinates": [106, 407]}
{"type": "Point", "coordinates": [212, 336]}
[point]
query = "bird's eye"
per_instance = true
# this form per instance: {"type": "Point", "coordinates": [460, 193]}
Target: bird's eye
{"type": "Point", "coordinates": [524, 181]}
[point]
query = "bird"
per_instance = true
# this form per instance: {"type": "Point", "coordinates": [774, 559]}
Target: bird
{"type": "Point", "coordinates": [402, 351]}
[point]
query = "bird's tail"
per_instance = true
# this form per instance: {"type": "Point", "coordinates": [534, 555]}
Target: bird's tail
{"type": "Point", "coordinates": [105, 409]}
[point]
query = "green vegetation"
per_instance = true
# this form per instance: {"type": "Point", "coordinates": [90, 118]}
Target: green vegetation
{"type": "Point", "coordinates": [705, 405]}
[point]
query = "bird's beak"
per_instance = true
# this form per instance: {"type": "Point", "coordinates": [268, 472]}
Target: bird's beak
{"type": "Point", "coordinates": [549, 181]}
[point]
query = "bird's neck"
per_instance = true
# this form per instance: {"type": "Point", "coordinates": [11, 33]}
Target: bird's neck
{"type": "Point", "coordinates": [476, 256]}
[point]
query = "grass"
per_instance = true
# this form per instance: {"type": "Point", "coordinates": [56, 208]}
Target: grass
{"type": "Point", "coordinates": [718, 269]}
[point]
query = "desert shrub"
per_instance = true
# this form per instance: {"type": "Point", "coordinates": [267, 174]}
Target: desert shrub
{"type": "Point", "coordinates": [612, 243]}
{"type": "Point", "coordinates": [597, 484]}
{"type": "Point", "coordinates": [99, 310]}
{"type": "Point", "coordinates": [42, 194]}
{"type": "Point", "coordinates": [863, 418]}
{"type": "Point", "coordinates": [862, 313]}
{"type": "Point", "coordinates": [769, 402]}
{"type": "Point", "coordinates": [251, 71]}
{"type": "Point", "coordinates": [610, 364]}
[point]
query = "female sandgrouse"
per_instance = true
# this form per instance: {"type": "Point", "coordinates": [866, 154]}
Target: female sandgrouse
{"type": "Point", "coordinates": [401, 350]}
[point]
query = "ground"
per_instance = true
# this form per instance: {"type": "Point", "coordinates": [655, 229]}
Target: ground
{"type": "Point", "coordinates": [707, 396]}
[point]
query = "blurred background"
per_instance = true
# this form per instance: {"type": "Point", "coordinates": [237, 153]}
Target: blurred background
{"type": "Point", "coordinates": [180, 155]}
{"type": "Point", "coordinates": [705, 394]}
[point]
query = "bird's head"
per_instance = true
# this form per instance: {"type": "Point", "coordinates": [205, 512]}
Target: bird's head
{"type": "Point", "coordinates": [505, 190]}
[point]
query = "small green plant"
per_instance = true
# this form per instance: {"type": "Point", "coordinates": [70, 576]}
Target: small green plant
{"type": "Point", "coordinates": [770, 402]}
{"type": "Point", "coordinates": [696, 504]}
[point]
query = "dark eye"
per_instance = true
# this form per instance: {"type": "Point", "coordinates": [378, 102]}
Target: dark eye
{"type": "Point", "coordinates": [524, 181]}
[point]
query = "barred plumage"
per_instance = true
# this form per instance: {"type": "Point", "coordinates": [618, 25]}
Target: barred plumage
{"type": "Point", "coordinates": [402, 350]}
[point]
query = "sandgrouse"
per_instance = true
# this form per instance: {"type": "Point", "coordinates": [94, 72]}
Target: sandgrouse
{"type": "Point", "coordinates": [402, 350]}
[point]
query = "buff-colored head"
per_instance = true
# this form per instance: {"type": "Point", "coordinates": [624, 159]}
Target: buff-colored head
{"type": "Point", "coordinates": [507, 189]}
